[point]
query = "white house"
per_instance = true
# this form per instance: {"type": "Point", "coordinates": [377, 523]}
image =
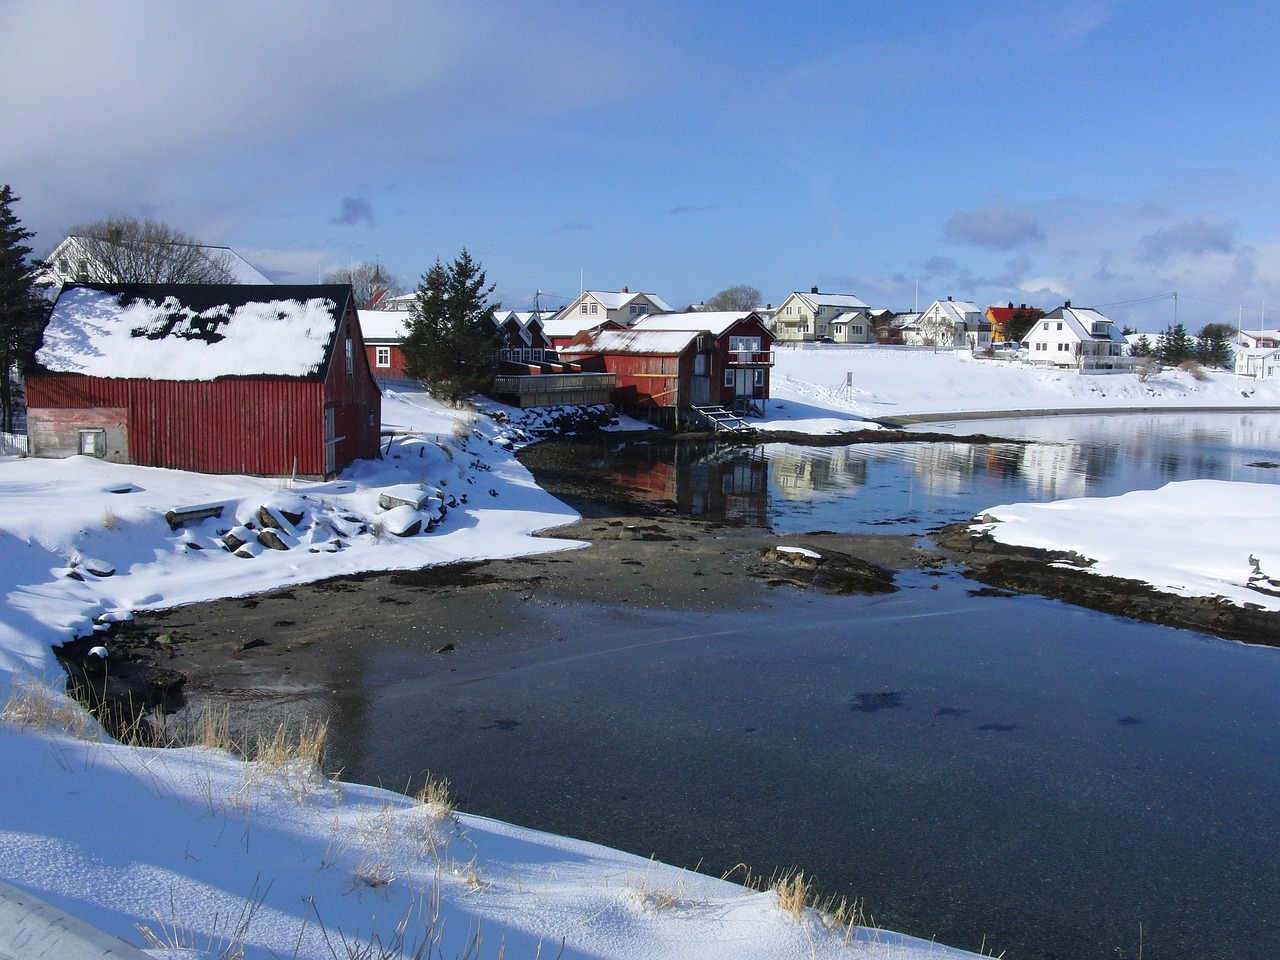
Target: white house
{"type": "Point", "coordinates": [954, 323]}
{"type": "Point", "coordinates": [73, 261]}
{"type": "Point", "coordinates": [1079, 338]}
{"type": "Point", "coordinates": [807, 316]}
{"type": "Point", "coordinates": [1262, 363]}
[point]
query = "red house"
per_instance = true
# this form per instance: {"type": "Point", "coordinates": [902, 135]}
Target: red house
{"type": "Point", "coordinates": [213, 378]}
{"type": "Point", "coordinates": [667, 363]}
{"type": "Point", "coordinates": [384, 333]}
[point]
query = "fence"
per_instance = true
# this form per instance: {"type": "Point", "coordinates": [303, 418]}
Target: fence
{"type": "Point", "coordinates": [11, 443]}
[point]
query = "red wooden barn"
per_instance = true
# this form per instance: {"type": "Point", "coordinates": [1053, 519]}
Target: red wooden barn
{"type": "Point", "coordinates": [257, 379]}
{"type": "Point", "coordinates": [669, 362]}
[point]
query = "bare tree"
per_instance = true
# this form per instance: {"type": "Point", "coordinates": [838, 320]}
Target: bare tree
{"type": "Point", "coordinates": [121, 249]}
{"type": "Point", "coordinates": [370, 283]}
{"type": "Point", "coordinates": [740, 297]}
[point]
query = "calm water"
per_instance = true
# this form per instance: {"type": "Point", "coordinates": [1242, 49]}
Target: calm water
{"type": "Point", "coordinates": [1057, 782]}
{"type": "Point", "coordinates": [908, 488]}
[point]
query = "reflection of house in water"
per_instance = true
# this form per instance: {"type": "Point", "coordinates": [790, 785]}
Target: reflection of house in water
{"type": "Point", "coordinates": [1053, 471]}
{"type": "Point", "coordinates": [800, 472]}
{"type": "Point", "coordinates": [945, 469]}
{"type": "Point", "coordinates": [701, 479]}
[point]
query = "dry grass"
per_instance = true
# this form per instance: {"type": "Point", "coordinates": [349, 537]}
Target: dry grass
{"type": "Point", "coordinates": [794, 892]}
{"type": "Point", "coordinates": [284, 745]}
{"type": "Point", "coordinates": [110, 519]}
{"type": "Point", "coordinates": [31, 703]}
{"type": "Point", "coordinates": [434, 794]}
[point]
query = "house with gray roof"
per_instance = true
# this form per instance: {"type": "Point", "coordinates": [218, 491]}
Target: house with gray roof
{"type": "Point", "coordinates": [1079, 338]}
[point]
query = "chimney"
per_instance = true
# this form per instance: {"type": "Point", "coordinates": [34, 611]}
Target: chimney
{"type": "Point", "coordinates": [948, 299]}
{"type": "Point", "coordinates": [1011, 304]}
{"type": "Point", "coordinates": [625, 290]}
{"type": "Point", "coordinates": [1023, 307]}
{"type": "Point", "coordinates": [813, 289]}
{"type": "Point", "coordinates": [1067, 305]}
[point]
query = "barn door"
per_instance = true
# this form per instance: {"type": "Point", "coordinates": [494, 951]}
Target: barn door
{"type": "Point", "coordinates": [700, 387]}
{"type": "Point", "coordinates": [743, 388]}
{"type": "Point", "coordinates": [331, 440]}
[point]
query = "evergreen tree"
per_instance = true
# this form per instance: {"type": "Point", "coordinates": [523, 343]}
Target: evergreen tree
{"type": "Point", "coordinates": [452, 343]}
{"type": "Point", "coordinates": [1213, 345]}
{"type": "Point", "coordinates": [22, 310]}
{"type": "Point", "coordinates": [1141, 347]}
{"type": "Point", "coordinates": [1174, 346]}
{"type": "Point", "coordinates": [1021, 322]}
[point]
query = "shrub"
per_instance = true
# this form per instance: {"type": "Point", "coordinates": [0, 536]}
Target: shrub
{"type": "Point", "coordinates": [1193, 367]}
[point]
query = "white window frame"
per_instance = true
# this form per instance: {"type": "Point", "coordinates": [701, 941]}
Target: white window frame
{"type": "Point", "coordinates": [382, 357]}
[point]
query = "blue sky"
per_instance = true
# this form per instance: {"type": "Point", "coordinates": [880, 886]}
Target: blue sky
{"type": "Point", "coordinates": [1104, 152]}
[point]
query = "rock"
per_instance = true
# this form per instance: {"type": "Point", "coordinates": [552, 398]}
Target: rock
{"type": "Point", "coordinates": [99, 568]}
{"type": "Point", "coordinates": [402, 521]}
{"type": "Point", "coordinates": [237, 537]}
{"type": "Point", "coordinates": [404, 494]}
{"type": "Point", "coordinates": [272, 540]}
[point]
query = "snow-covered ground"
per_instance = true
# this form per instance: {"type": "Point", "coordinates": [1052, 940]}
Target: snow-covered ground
{"type": "Point", "coordinates": [211, 853]}
{"type": "Point", "coordinates": [810, 384]}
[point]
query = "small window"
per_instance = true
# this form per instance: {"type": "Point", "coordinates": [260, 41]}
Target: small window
{"type": "Point", "coordinates": [93, 443]}
{"type": "Point", "coordinates": [759, 378]}
{"type": "Point", "coordinates": [728, 378]}
{"type": "Point", "coordinates": [635, 310]}
{"type": "Point", "coordinates": [351, 358]}
{"type": "Point", "coordinates": [583, 309]}
{"type": "Point", "coordinates": [1046, 325]}
{"type": "Point", "coordinates": [382, 356]}
{"type": "Point", "coordinates": [593, 309]}
{"type": "Point", "coordinates": [1059, 324]}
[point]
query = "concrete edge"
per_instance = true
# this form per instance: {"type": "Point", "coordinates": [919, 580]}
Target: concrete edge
{"type": "Point", "coordinates": [31, 929]}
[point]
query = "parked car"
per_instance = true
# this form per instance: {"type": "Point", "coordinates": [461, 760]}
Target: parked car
{"type": "Point", "coordinates": [823, 340]}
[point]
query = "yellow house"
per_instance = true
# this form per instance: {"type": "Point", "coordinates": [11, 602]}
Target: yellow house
{"type": "Point", "coordinates": [808, 316]}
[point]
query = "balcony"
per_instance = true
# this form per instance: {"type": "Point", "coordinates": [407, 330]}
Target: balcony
{"type": "Point", "coordinates": [750, 358]}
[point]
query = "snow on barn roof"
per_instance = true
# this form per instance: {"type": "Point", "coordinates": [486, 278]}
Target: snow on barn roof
{"type": "Point", "coordinates": [715, 322]}
{"type": "Point", "coordinates": [631, 340]}
{"type": "Point", "coordinates": [192, 331]}
{"type": "Point", "coordinates": [384, 324]}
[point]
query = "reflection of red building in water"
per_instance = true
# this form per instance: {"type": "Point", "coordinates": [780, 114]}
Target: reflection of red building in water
{"type": "Point", "coordinates": [667, 363]}
{"type": "Point", "coordinates": [702, 480]}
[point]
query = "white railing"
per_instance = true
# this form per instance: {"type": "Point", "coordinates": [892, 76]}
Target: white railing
{"type": "Point", "coordinates": [11, 443]}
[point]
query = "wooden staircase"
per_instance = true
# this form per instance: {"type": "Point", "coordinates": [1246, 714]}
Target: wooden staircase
{"type": "Point", "coordinates": [719, 419]}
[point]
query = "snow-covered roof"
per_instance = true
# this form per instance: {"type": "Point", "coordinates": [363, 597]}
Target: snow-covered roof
{"type": "Point", "coordinates": [569, 325]}
{"type": "Point", "coordinates": [715, 322]}
{"type": "Point", "coordinates": [632, 340]}
{"type": "Point", "coordinates": [1083, 321]}
{"type": "Point", "coordinates": [617, 299]}
{"type": "Point", "coordinates": [192, 331]}
{"type": "Point", "coordinates": [383, 324]}
{"type": "Point", "coordinates": [845, 301]}
{"type": "Point", "coordinates": [957, 310]}
{"type": "Point", "coordinates": [850, 315]}
{"type": "Point", "coordinates": [72, 249]}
